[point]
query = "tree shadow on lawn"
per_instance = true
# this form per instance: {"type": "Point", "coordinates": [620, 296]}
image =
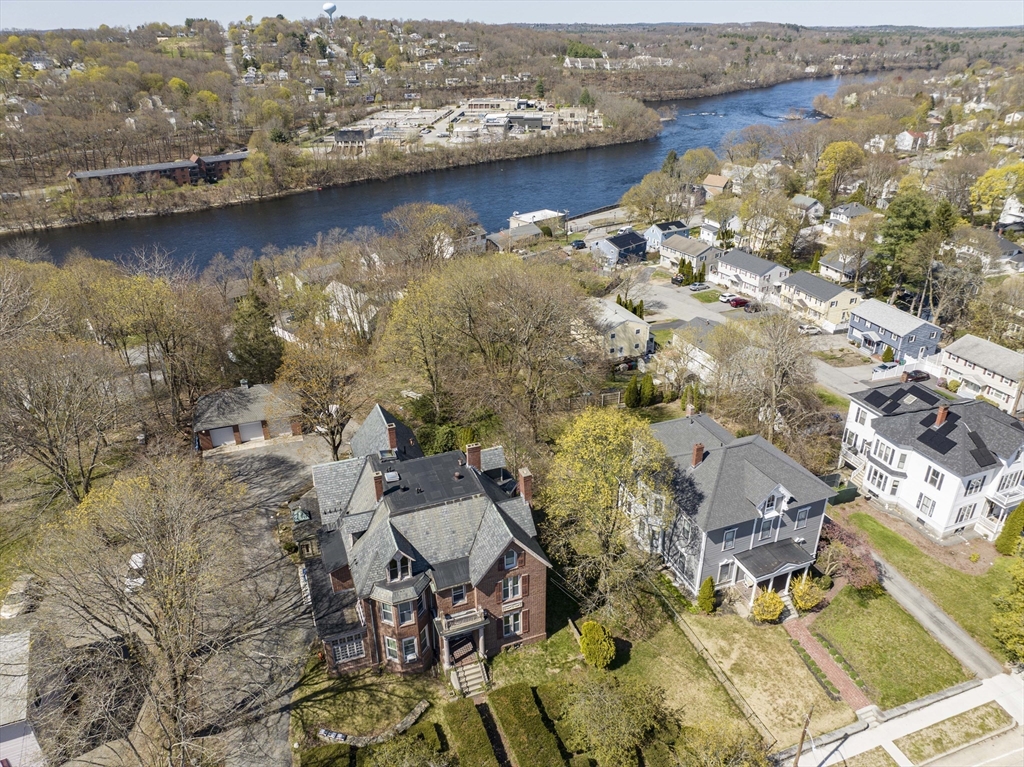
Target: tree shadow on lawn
{"type": "Point", "coordinates": [623, 652]}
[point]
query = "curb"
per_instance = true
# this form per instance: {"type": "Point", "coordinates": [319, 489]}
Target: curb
{"type": "Point", "coordinates": [995, 734]}
{"type": "Point", "coordinates": [927, 700]}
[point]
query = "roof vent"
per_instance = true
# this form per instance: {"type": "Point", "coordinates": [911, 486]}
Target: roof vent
{"type": "Point", "coordinates": [392, 476]}
{"type": "Point", "coordinates": [458, 475]}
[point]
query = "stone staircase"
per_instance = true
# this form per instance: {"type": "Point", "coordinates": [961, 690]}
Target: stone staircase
{"type": "Point", "coordinates": [870, 715]}
{"type": "Point", "coordinates": [470, 678]}
{"type": "Point", "coordinates": [789, 613]}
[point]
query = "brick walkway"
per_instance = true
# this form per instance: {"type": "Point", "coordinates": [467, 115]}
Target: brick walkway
{"type": "Point", "coordinates": [852, 694]}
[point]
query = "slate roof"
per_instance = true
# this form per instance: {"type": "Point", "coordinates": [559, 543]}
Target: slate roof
{"type": "Point", "coordinates": [765, 560]}
{"type": "Point", "coordinates": [260, 402]}
{"type": "Point", "coordinates": [816, 287]}
{"type": "Point", "coordinates": [890, 318]}
{"type": "Point", "coordinates": [689, 246]}
{"type": "Point", "coordinates": [747, 262]}
{"type": "Point", "coordinates": [335, 483]}
{"type": "Point", "coordinates": [492, 458]}
{"type": "Point", "coordinates": [735, 475]}
{"type": "Point", "coordinates": [372, 436]}
{"type": "Point", "coordinates": [850, 210]}
{"type": "Point", "coordinates": [969, 440]}
{"type": "Point", "coordinates": [991, 356]}
{"type": "Point", "coordinates": [334, 613]}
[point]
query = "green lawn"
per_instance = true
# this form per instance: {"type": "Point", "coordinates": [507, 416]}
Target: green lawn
{"type": "Point", "coordinates": [831, 399]}
{"type": "Point", "coordinates": [966, 598]}
{"type": "Point", "coordinates": [707, 296]}
{"type": "Point", "coordinates": [662, 337]}
{"type": "Point", "coordinates": [898, 659]}
{"type": "Point", "coordinates": [954, 732]}
{"type": "Point", "coordinates": [664, 411]}
{"type": "Point", "coordinates": [876, 757]}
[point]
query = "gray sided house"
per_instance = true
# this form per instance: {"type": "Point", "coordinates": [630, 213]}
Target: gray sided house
{"type": "Point", "coordinates": [745, 513]}
{"type": "Point", "coordinates": [875, 325]}
{"type": "Point", "coordinates": [658, 233]}
{"type": "Point", "coordinates": [628, 246]}
{"type": "Point", "coordinates": [244, 414]}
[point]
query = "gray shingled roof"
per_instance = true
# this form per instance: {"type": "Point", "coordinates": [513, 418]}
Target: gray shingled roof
{"type": "Point", "coordinates": [670, 226]}
{"type": "Point", "coordinates": [851, 210]}
{"type": "Point", "coordinates": [735, 474]}
{"type": "Point", "coordinates": [492, 458]}
{"type": "Point", "coordinates": [762, 561]}
{"type": "Point", "coordinates": [334, 613]}
{"type": "Point", "coordinates": [335, 483]}
{"type": "Point", "coordinates": [243, 405]}
{"type": "Point", "coordinates": [992, 356]}
{"type": "Point", "coordinates": [973, 434]}
{"type": "Point", "coordinates": [890, 318]}
{"type": "Point", "coordinates": [372, 436]}
{"type": "Point", "coordinates": [130, 170]}
{"type": "Point", "coordinates": [690, 246]}
{"type": "Point", "coordinates": [747, 262]}
{"type": "Point", "coordinates": [805, 282]}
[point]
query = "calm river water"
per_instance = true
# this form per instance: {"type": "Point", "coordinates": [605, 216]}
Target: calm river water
{"type": "Point", "coordinates": [577, 181]}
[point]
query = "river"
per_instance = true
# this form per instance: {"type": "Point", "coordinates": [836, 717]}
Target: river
{"type": "Point", "coordinates": [575, 181]}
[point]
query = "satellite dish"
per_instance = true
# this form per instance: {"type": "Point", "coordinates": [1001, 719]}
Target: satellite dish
{"type": "Point", "coordinates": [329, 9]}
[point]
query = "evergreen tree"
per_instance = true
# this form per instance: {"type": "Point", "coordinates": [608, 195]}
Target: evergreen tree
{"type": "Point", "coordinates": [257, 350]}
{"type": "Point", "coordinates": [647, 392]}
{"type": "Point", "coordinates": [1008, 538]}
{"type": "Point", "coordinates": [945, 217]}
{"type": "Point", "coordinates": [686, 270]}
{"type": "Point", "coordinates": [706, 596]}
{"type": "Point", "coordinates": [728, 238]}
{"type": "Point", "coordinates": [701, 273]}
{"type": "Point", "coordinates": [539, 88]}
{"type": "Point", "coordinates": [669, 166]}
{"type": "Point", "coordinates": [618, 299]}
{"type": "Point", "coordinates": [632, 395]}
{"type": "Point", "coordinates": [814, 262]}
{"type": "Point", "coordinates": [586, 100]}
{"type": "Point", "coordinates": [638, 309]}
{"type": "Point", "coordinates": [888, 355]}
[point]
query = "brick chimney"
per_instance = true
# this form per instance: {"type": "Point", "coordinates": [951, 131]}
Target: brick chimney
{"type": "Point", "coordinates": [473, 455]}
{"type": "Point", "coordinates": [698, 454]}
{"type": "Point", "coordinates": [689, 408]}
{"type": "Point", "coordinates": [526, 485]}
{"type": "Point", "coordinates": [940, 417]}
{"type": "Point", "coordinates": [392, 437]}
{"type": "Point", "coordinates": [378, 484]}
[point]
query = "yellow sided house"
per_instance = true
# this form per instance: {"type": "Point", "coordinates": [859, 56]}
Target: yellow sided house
{"type": "Point", "coordinates": [818, 301]}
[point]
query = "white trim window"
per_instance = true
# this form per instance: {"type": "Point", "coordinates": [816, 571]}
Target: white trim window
{"type": "Point", "coordinates": [387, 613]}
{"type": "Point", "coordinates": [406, 612]}
{"type": "Point", "coordinates": [512, 624]}
{"type": "Point", "coordinates": [766, 529]}
{"type": "Point", "coordinates": [862, 416]}
{"type": "Point", "coordinates": [925, 504]}
{"type": "Point", "coordinates": [966, 513]}
{"type": "Point", "coordinates": [510, 588]}
{"type": "Point", "coordinates": [425, 638]}
{"type": "Point", "coordinates": [801, 519]}
{"type": "Point", "coordinates": [769, 505]}
{"type": "Point", "coordinates": [511, 559]}
{"type": "Point", "coordinates": [877, 479]}
{"type": "Point", "coordinates": [933, 477]}
{"type": "Point", "coordinates": [409, 651]}
{"type": "Point", "coordinates": [974, 486]}
{"type": "Point", "coordinates": [348, 648]}
{"type": "Point", "coordinates": [458, 595]}
{"type": "Point", "coordinates": [729, 540]}
{"type": "Point", "coordinates": [1009, 481]}
{"type": "Point", "coordinates": [391, 648]}
{"type": "Point", "coordinates": [883, 452]}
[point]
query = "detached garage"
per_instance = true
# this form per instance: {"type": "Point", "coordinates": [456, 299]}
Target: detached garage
{"type": "Point", "coordinates": [245, 414]}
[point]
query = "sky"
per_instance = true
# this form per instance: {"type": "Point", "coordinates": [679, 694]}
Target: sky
{"type": "Point", "coordinates": [50, 14]}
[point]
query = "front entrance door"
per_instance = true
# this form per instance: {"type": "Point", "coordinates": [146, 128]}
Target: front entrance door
{"type": "Point", "coordinates": [779, 583]}
{"type": "Point", "coordinates": [462, 648]}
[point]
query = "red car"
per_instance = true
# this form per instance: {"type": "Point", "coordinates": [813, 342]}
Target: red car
{"type": "Point", "coordinates": [737, 302]}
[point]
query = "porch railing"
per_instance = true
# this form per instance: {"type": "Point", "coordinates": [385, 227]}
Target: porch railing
{"type": "Point", "coordinates": [464, 618]}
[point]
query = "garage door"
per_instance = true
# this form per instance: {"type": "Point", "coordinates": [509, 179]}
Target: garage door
{"type": "Point", "coordinates": [222, 436]}
{"type": "Point", "coordinates": [251, 431]}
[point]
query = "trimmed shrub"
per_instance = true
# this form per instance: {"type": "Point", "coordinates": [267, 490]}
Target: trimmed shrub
{"type": "Point", "coordinates": [806, 593]}
{"type": "Point", "coordinates": [1007, 540]}
{"type": "Point", "coordinates": [647, 392]}
{"type": "Point", "coordinates": [581, 760]}
{"type": "Point", "coordinates": [597, 645]}
{"type": "Point", "coordinates": [468, 736]}
{"type": "Point", "coordinates": [825, 582]}
{"type": "Point", "coordinates": [632, 394]}
{"type": "Point", "coordinates": [888, 355]}
{"type": "Point", "coordinates": [427, 732]}
{"type": "Point", "coordinates": [327, 755]}
{"type": "Point", "coordinates": [528, 739]}
{"type": "Point", "coordinates": [706, 596]}
{"type": "Point", "coordinates": [768, 606]}
{"type": "Point", "coordinates": [953, 386]}
{"type": "Point", "coordinates": [553, 698]}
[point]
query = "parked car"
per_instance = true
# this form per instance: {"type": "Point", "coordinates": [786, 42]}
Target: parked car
{"type": "Point", "coordinates": [727, 297]}
{"type": "Point", "coordinates": [22, 597]}
{"type": "Point", "coordinates": [755, 306]}
{"type": "Point", "coordinates": [624, 229]}
{"type": "Point", "coordinates": [677, 279]}
{"type": "Point", "coordinates": [699, 286]}
{"type": "Point", "coordinates": [809, 330]}
{"type": "Point", "coordinates": [135, 578]}
{"type": "Point", "coordinates": [885, 367]}
{"type": "Point", "coordinates": [917, 375]}
{"type": "Point", "coordinates": [736, 302]}
{"type": "Point", "coordinates": [578, 245]}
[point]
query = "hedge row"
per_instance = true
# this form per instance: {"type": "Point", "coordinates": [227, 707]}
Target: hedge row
{"type": "Point", "coordinates": [843, 663]}
{"type": "Point", "coordinates": [529, 741]}
{"type": "Point", "coordinates": [830, 689]}
{"type": "Point", "coordinates": [468, 735]}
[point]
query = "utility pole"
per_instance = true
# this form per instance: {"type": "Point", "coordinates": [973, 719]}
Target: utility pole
{"type": "Point", "coordinates": [803, 734]}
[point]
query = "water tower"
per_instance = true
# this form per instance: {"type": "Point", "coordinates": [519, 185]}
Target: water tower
{"type": "Point", "coordinates": [329, 9]}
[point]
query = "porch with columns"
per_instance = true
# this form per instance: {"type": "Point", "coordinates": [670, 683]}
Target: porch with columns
{"type": "Point", "coordinates": [771, 566]}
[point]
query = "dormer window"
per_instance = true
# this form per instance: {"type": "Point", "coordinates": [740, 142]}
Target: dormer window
{"type": "Point", "coordinates": [399, 568]}
{"type": "Point", "coordinates": [511, 559]}
{"type": "Point", "coordinates": [769, 505]}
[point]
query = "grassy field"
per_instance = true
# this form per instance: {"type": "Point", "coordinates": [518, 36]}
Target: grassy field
{"type": "Point", "coordinates": [664, 411]}
{"type": "Point", "coordinates": [966, 598]}
{"type": "Point", "coordinates": [831, 399]}
{"type": "Point", "coordinates": [953, 733]}
{"type": "Point", "coordinates": [898, 659]}
{"type": "Point", "coordinates": [762, 664]}
{"type": "Point", "coordinates": [876, 757]}
{"type": "Point", "coordinates": [841, 358]}
{"type": "Point", "coordinates": [662, 337]}
{"type": "Point", "coordinates": [707, 296]}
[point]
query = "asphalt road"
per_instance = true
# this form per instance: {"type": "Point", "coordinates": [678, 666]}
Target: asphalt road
{"type": "Point", "coordinates": [1006, 750]}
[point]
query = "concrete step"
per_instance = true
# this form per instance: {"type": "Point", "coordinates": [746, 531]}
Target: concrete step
{"type": "Point", "coordinates": [870, 715]}
{"type": "Point", "coordinates": [789, 613]}
{"type": "Point", "coordinates": [471, 678]}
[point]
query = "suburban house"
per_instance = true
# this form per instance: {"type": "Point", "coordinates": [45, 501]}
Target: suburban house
{"type": "Point", "coordinates": [351, 306]}
{"type": "Point", "coordinates": [985, 369]}
{"type": "Point", "coordinates": [810, 209]}
{"type": "Point", "coordinates": [244, 414]}
{"type": "Point", "coordinates": [423, 558]}
{"type": "Point", "coordinates": [840, 267]}
{"type": "Point", "coordinates": [874, 325]}
{"type": "Point", "coordinates": [552, 219]}
{"type": "Point", "coordinates": [819, 301]}
{"type": "Point", "coordinates": [996, 253]}
{"type": "Point", "coordinates": [319, 274]}
{"type": "Point", "coordinates": [844, 215]}
{"type": "Point", "coordinates": [628, 246]}
{"type": "Point", "coordinates": [742, 512]}
{"type": "Point", "coordinates": [712, 231]}
{"type": "Point", "coordinates": [517, 237]}
{"type": "Point", "coordinates": [740, 271]}
{"type": "Point", "coordinates": [657, 234]}
{"type": "Point", "coordinates": [676, 249]}
{"type": "Point", "coordinates": [623, 334]}
{"type": "Point", "coordinates": [714, 185]}
{"type": "Point", "coordinates": [18, 744]}
{"type": "Point", "coordinates": [910, 141]}
{"type": "Point", "coordinates": [946, 466]}
{"type": "Point", "coordinates": [690, 340]}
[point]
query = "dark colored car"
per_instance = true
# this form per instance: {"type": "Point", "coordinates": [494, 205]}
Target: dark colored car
{"type": "Point", "coordinates": [754, 307]}
{"type": "Point", "coordinates": [917, 375]}
{"type": "Point", "coordinates": [578, 245]}
{"type": "Point", "coordinates": [677, 279]}
{"type": "Point", "coordinates": [737, 302]}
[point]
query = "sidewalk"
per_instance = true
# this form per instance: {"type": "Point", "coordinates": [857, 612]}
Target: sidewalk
{"type": "Point", "coordinates": [1005, 689]}
{"type": "Point", "coordinates": [852, 694]}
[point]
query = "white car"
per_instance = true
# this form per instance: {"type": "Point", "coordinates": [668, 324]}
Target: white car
{"type": "Point", "coordinates": [135, 579]}
{"type": "Point", "coordinates": [809, 330]}
{"type": "Point", "coordinates": [21, 598]}
{"type": "Point", "coordinates": [727, 297]}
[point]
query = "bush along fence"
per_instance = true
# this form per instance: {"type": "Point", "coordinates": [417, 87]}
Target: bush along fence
{"type": "Point", "coordinates": [830, 689]}
{"type": "Point", "coordinates": [843, 663]}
